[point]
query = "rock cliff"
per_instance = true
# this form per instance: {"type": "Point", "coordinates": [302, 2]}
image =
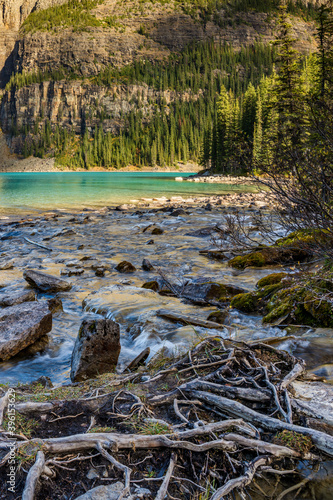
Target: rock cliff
{"type": "Point", "coordinates": [115, 34]}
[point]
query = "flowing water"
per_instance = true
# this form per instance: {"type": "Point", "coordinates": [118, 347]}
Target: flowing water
{"type": "Point", "coordinates": [107, 237]}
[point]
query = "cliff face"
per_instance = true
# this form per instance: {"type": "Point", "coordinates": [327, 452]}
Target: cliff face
{"type": "Point", "coordinates": [121, 32]}
{"type": "Point", "coordinates": [12, 14]}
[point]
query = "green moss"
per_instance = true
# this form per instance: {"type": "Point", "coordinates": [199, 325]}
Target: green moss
{"type": "Point", "coordinates": [320, 310]}
{"type": "Point", "coordinates": [254, 301]}
{"type": "Point", "coordinates": [255, 259]}
{"type": "Point", "coordinates": [298, 442]}
{"type": "Point", "coordinates": [271, 279]}
{"type": "Point", "coordinates": [246, 302]}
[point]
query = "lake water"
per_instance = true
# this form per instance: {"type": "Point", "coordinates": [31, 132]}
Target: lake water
{"type": "Point", "coordinates": [52, 190]}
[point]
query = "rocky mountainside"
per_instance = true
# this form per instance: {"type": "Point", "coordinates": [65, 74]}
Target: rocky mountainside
{"type": "Point", "coordinates": [57, 50]}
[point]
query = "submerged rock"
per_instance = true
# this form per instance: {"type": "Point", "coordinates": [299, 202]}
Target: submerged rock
{"type": "Point", "coordinates": [45, 282]}
{"type": "Point", "coordinates": [15, 297]}
{"type": "Point", "coordinates": [22, 325]}
{"type": "Point", "coordinates": [96, 349]}
{"type": "Point", "coordinates": [125, 267]}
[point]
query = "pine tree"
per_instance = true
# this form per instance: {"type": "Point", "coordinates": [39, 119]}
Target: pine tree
{"type": "Point", "coordinates": [288, 88]}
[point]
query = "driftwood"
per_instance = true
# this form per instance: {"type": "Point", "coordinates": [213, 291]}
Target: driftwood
{"type": "Point", "coordinates": [33, 476]}
{"type": "Point", "coordinates": [242, 481]}
{"type": "Point", "coordinates": [322, 440]}
{"type": "Point", "coordinates": [38, 244]}
{"type": "Point", "coordinates": [204, 384]}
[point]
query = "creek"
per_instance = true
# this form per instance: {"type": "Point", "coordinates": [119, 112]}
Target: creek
{"type": "Point", "coordinates": [105, 237]}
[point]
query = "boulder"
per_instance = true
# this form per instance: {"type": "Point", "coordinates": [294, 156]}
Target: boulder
{"type": "Point", "coordinates": [45, 282]}
{"type": "Point", "coordinates": [125, 267]}
{"type": "Point", "coordinates": [15, 297]}
{"type": "Point", "coordinates": [22, 325]}
{"type": "Point", "coordinates": [96, 349]}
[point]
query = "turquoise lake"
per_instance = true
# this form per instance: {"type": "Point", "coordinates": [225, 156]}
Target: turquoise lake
{"type": "Point", "coordinates": [20, 192]}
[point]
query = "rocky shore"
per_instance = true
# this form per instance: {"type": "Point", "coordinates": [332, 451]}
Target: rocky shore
{"type": "Point", "coordinates": [210, 178]}
{"type": "Point", "coordinates": [205, 399]}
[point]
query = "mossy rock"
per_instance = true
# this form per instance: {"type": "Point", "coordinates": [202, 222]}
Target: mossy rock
{"type": "Point", "coordinates": [271, 279]}
{"type": "Point", "coordinates": [254, 301]}
{"type": "Point", "coordinates": [320, 310]}
{"type": "Point", "coordinates": [245, 302]}
{"type": "Point", "coordinates": [296, 247]}
{"type": "Point", "coordinates": [255, 259]}
{"type": "Point", "coordinates": [151, 285]}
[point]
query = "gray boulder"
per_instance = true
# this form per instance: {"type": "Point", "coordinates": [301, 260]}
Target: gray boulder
{"type": "Point", "coordinates": [45, 282]}
{"type": "Point", "coordinates": [22, 325]}
{"type": "Point", "coordinates": [15, 297]}
{"type": "Point", "coordinates": [96, 349]}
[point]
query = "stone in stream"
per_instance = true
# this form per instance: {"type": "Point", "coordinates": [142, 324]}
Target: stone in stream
{"type": "Point", "coordinates": [125, 267]}
{"type": "Point", "coordinates": [147, 265]}
{"type": "Point", "coordinates": [45, 282]}
{"type": "Point", "coordinates": [177, 212]}
{"type": "Point", "coordinates": [14, 297]}
{"type": "Point", "coordinates": [96, 349]}
{"type": "Point", "coordinates": [22, 325]}
{"type": "Point", "coordinates": [157, 230]}
{"type": "Point", "coordinates": [218, 316]}
{"type": "Point", "coordinates": [6, 265]}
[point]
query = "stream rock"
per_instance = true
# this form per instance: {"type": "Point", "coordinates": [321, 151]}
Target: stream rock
{"type": "Point", "coordinates": [147, 265]}
{"type": "Point", "coordinates": [96, 349]}
{"type": "Point", "coordinates": [125, 267]}
{"type": "Point", "coordinates": [22, 325]}
{"type": "Point", "coordinates": [14, 297]}
{"type": "Point", "coordinates": [45, 282]}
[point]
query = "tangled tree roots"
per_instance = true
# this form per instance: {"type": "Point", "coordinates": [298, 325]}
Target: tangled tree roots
{"type": "Point", "coordinates": [210, 423]}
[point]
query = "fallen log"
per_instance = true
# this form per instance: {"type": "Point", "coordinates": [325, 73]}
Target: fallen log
{"type": "Point", "coordinates": [189, 320]}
